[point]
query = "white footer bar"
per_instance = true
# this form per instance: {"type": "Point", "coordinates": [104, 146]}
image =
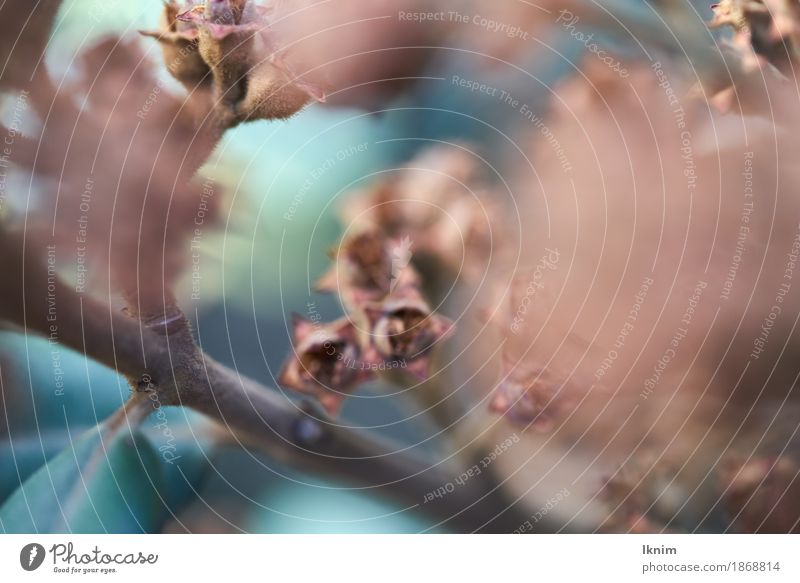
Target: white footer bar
{"type": "Point", "coordinates": [406, 559]}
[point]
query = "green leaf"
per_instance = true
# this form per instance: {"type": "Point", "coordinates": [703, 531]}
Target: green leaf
{"type": "Point", "coordinates": [23, 456]}
{"type": "Point", "coordinates": [330, 508]}
{"type": "Point", "coordinates": [100, 483]}
{"type": "Point", "coordinates": [184, 439]}
{"type": "Point", "coordinates": [68, 391]}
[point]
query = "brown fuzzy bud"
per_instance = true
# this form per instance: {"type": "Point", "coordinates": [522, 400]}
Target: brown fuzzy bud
{"type": "Point", "coordinates": [251, 80]}
{"type": "Point", "coordinates": [226, 30]}
{"type": "Point", "coordinates": [274, 93]}
{"type": "Point", "coordinates": [179, 44]}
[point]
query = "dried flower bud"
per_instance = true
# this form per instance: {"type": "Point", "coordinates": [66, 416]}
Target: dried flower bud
{"type": "Point", "coordinates": [416, 198]}
{"type": "Point", "coordinates": [326, 362]}
{"type": "Point", "coordinates": [463, 239]}
{"type": "Point", "coordinates": [440, 170]}
{"type": "Point", "coordinates": [367, 261]}
{"type": "Point", "coordinates": [223, 18]}
{"type": "Point", "coordinates": [179, 44]}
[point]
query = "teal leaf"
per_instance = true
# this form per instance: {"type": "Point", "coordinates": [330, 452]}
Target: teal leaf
{"type": "Point", "coordinates": [329, 508]}
{"type": "Point", "coordinates": [50, 387]}
{"type": "Point", "coordinates": [100, 483]}
{"type": "Point", "coordinates": [23, 456]}
{"type": "Point", "coordinates": [184, 440]}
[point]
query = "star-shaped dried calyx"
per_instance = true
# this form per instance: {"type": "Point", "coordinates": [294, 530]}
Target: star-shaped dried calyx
{"type": "Point", "coordinates": [326, 362]}
{"type": "Point", "coordinates": [761, 494]}
{"type": "Point", "coordinates": [404, 329]}
{"type": "Point", "coordinates": [379, 288]}
{"type": "Point", "coordinates": [179, 44]}
{"type": "Point", "coordinates": [389, 322]}
{"type": "Point", "coordinates": [382, 290]}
